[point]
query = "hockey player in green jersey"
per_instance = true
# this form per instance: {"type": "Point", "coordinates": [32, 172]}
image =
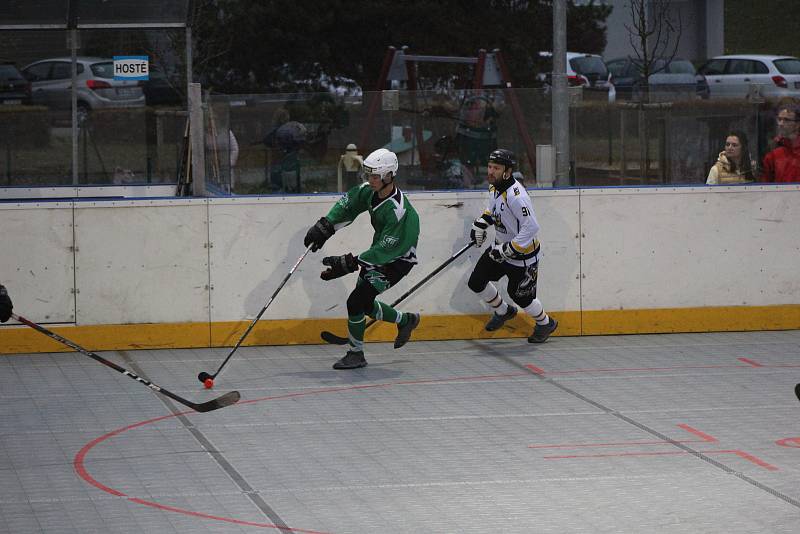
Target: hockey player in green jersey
{"type": "Point", "coordinates": [515, 253]}
{"type": "Point", "coordinates": [389, 258]}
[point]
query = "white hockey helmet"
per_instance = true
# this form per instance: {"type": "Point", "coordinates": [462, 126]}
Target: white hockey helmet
{"type": "Point", "coordinates": [381, 162]}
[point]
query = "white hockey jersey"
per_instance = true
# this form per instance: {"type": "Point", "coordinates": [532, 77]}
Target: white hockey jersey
{"type": "Point", "coordinates": [510, 209]}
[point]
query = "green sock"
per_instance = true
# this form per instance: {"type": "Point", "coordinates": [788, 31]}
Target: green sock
{"type": "Point", "coordinates": [355, 330]}
{"type": "Point", "coordinates": [383, 312]}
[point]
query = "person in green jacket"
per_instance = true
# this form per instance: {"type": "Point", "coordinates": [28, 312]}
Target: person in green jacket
{"type": "Point", "coordinates": [389, 258]}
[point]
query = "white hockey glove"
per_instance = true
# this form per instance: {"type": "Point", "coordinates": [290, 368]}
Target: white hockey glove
{"type": "Point", "coordinates": [478, 231]}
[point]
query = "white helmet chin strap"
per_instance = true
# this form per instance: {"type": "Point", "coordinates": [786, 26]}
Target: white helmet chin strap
{"type": "Point", "coordinates": [385, 183]}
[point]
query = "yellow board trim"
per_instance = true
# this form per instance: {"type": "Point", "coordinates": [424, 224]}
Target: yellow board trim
{"type": "Point", "coordinates": [21, 339]}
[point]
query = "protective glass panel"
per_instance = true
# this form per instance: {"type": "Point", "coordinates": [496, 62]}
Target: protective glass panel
{"type": "Point", "coordinates": [125, 132]}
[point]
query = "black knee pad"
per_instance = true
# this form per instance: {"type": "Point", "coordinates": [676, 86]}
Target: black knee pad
{"type": "Point", "coordinates": [476, 282]}
{"type": "Point", "coordinates": [361, 300]}
{"type": "Point", "coordinates": [523, 301]}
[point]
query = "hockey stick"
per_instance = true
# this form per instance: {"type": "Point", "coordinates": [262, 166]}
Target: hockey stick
{"type": "Point", "coordinates": [330, 337]}
{"type": "Point", "coordinates": [220, 402]}
{"type": "Point", "coordinates": [207, 379]}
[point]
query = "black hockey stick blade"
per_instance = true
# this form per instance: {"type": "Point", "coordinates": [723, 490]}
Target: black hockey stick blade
{"type": "Point", "coordinates": [333, 339]}
{"type": "Point", "coordinates": [231, 397]}
{"type": "Point", "coordinates": [797, 391]}
{"type": "Point", "coordinates": [227, 399]}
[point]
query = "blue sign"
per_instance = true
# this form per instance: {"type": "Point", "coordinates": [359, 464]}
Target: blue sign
{"type": "Point", "coordinates": [131, 68]}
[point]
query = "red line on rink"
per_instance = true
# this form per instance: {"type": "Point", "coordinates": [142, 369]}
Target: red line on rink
{"type": "Point", "coordinates": [748, 361]}
{"type": "Point", "coordinates": [741, 454]}
{"type": "Point", "coordinates": [617, 369]}
{"type": "Point", "coordinates": [789, 442]}
{"type": "Point", "coordinates": [80, 459]}
{"type": "Point", "coordinates": [702, 435]}
{"type": "Point", "coordinates": [220, 518]}
{"type": "Point", "coordinates": [536, 370]}
{"type": "Point", "coordinates": [704, 438]}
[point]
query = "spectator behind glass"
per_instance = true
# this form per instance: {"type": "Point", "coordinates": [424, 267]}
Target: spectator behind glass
{"type": "Point", "coordinates": [782, 164]}
{"type": "Point", "coordinates": [734, 165]}
{"type": "Point", "coordinates": [6, 307]}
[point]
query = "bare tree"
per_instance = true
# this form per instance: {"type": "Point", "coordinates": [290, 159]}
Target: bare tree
{"type": "Point", "coordinates": [654, 33]}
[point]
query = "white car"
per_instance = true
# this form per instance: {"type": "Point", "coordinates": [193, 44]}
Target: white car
{"type": "Point", "coordinates": [51, 85]}
{"type": "Point", "coordinates": [737, 76]}
{"type": "Point", "coordinates": [583, 70]}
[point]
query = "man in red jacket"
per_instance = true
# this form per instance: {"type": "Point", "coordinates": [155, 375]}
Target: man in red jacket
{"type": "Point", "coordinates": [782, 164]}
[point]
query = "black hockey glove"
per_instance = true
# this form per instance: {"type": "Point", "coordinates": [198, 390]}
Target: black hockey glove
{"type": "Point", "coordinates": [5, 305]}
{"type": "Point", "coordinates": [478, 231]}
{"type": "Point", "coordinates": [502, 252]}
{"type": "Point", "coordinates": [318, 234]}
{"type": "Point", "coordinates": [338, 266]}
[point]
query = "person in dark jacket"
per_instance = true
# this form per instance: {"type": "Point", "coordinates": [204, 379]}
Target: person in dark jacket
{"type": "Point", "coordinates": [5, 305]}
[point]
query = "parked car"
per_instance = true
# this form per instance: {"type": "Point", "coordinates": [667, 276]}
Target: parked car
{"type": "Point", "coordinates": [733, 76]}
{"type": "Point", "coordinates": [672, 79]}
{"type": "Point", "coordinates": [583, 70]}
{"type": "Point", "coordinates": [14, 88]}
{"type": "Point", "coordinates": [51, 85]}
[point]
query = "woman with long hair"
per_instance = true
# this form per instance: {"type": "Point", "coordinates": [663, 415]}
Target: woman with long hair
{"type": "Point", "coordinates": [734, 164]}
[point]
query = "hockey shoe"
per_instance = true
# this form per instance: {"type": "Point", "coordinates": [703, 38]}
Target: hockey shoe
{"type": "Point", "coordinates": [542, 331]}
{"type": "Point", "coordinates": [404, 332]}
{"type": "Point", "coordinates": [354, 359]}
{"type": "Point", "coordinates": [498, 320]}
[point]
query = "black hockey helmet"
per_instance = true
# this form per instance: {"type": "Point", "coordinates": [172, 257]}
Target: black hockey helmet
{"type": "Point", "coordinates": [503, 157]}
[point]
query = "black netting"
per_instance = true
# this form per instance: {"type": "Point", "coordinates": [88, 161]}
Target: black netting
{"type": "Point", "coordinates": [92, 12]}
{"type": "Point", "coordinates": [33, 12]}
{"type": "Point", "coordinates": [131, 11]}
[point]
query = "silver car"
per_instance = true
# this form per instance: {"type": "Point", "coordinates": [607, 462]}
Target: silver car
{"type": "Point", "coordinates": [740, 76]}
{"type": "Point", "coordinates": [50, 81]}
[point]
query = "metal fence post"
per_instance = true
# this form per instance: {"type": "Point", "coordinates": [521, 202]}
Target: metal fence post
{"type": "Point", "coordinates": [197, 139]}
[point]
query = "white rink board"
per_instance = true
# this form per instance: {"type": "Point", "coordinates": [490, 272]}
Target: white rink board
{"type": "Point", "coordinates": [148, 261]}
{"type": "Point", "coordinates": [142, 261]}
{"type": "Point", "coordinates": [36, 260]}
{"type": "Point", "coordinates": [256, 241]}
{"type": "Point", "coordinates": [690, 247]}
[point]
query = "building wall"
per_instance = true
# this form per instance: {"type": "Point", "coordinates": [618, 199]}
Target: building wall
{"type": "Point", "coordinates": [702, 32]}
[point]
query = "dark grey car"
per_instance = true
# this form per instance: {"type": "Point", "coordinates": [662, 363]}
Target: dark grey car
{"type": "Point", "coordinates": [673, 80]}
{"type": "Point", "coordinates": [14, 88]}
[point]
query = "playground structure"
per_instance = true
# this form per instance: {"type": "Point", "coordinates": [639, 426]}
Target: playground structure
{"type": "Point", "coordinates": [490, 71]}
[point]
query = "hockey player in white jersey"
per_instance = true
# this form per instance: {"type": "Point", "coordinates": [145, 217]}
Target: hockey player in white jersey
{"type": "Point", "coordinates": [515, 252]}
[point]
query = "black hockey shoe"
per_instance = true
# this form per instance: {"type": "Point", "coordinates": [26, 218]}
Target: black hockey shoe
{"type": "Point", "coordinates": [542, 331]}
{"type": "Point", "coordinates": [498, 320]}
{"type": "Point", "coordinates": [404, 332]}
{"type": "Point", "coordinates": [352, 360]}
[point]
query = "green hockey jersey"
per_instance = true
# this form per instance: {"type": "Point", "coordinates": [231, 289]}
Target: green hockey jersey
{"type": "Point", "coordinates": [394, 219]}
